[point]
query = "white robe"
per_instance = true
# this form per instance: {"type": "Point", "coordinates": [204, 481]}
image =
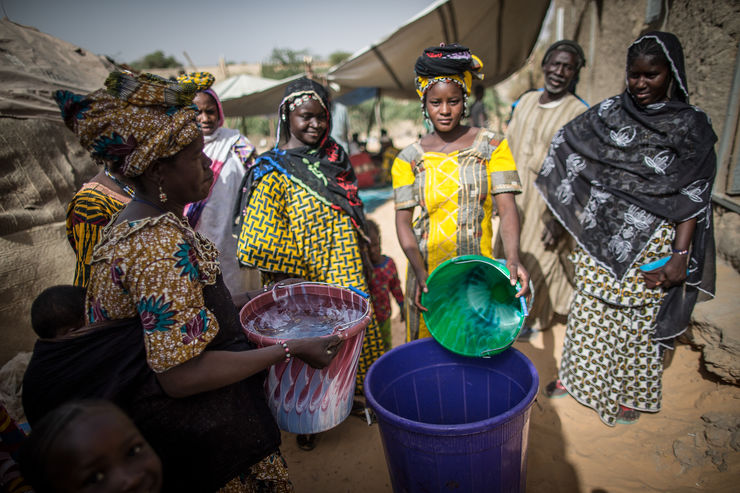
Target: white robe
{"type": "Point", "coordinates": [216, 219]}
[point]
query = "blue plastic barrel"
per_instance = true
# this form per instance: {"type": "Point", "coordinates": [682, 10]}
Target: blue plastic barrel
{"type": "Point", "coordinates": [450, 422]}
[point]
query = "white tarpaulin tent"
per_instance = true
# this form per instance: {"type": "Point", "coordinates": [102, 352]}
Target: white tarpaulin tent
{"type": "Point", "coordinates": [238, 85]}
{"type": "Point", "coordinates": [262, 101]}
{"type": "Point", "coordinates": [501, 32]}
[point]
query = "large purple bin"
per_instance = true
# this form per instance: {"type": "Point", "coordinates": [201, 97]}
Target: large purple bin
{"type": "Point", "coordinates": [450, 422]}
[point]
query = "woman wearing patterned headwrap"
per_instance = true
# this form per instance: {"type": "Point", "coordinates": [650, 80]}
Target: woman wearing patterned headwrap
{"type": "Point", "coordinates": [453, 175]}
{"type": "Point", "coordinates": [164, 339]}
{"type": "Point", "coordinates": [631, 180]}
{"type": "Point", "coordinates": [231, 154]}
{"type": "Point", "coordinates": [301, 216]}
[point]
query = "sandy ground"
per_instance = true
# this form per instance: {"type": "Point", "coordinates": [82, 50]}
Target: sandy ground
{"type": "Point", "coordinates": [570, 449]}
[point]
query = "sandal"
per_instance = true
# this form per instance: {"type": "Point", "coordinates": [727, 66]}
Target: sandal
{"type": "Point", "coordinates": [555, 389]}
{"type": "Point", "coordinates": [358, 409]}
{"type": "Point", "coordinates": [306, 442]}
{"type": "Point", "coordinates": [627, 415]}
{"type": "Point", "coordinates": [525, 334]}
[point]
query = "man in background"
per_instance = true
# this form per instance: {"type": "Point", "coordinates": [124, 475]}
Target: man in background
{"type": "Point", "coordinates": [545, 246]}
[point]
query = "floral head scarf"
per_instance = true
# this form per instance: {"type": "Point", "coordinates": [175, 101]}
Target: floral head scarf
{"type": "Point", "coordinates": [204, 81]}
{"type": "Point", "coordinates": [134, 121]}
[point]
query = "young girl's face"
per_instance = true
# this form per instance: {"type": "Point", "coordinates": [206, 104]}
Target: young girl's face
{"type": "Point", "coordinates": [207, 112]}
{"type": "Point", "coordinates": [648, 79]}
{"type": "Point", "coordinates": [307, 124]}
{"type": "Point", "coordinates": [445, 105]}
{"type": "Point", "coordinates": [375, 251]}
{"type": "Point", "coordinates": [102, 451]}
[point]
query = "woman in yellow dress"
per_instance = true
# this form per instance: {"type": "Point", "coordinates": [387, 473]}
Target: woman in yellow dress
{"type": "Point", "coordinates": [300, 214]}
{"type": "Point", "coordinates": [453, 174]}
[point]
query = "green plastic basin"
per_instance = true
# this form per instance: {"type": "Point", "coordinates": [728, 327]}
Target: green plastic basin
{"type": "Point", "coordinates": [472, 308]}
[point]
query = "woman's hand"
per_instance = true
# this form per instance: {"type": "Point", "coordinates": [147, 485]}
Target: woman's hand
{"type": "Point", "coordinates": [671, 274]}
{"type": "Point", "coordinates": [551, 233]}
{"type": "Point", "coordinates": [518, 272]}
{"type": "Point", "coordinates": [317, 352]}
{"type": "Point", "coordinates": [410, 247]}
{"type": "Point", "coordinates": [421, 286]}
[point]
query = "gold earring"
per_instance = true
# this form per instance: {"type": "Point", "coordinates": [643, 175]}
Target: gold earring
{"type": "Point", "coordinates": [162, 195]}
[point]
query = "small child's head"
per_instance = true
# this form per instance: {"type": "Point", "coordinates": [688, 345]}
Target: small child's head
{"type": "Point", "coordinates": [89, 445]}
{"type": "Point", "coordinates": [479, 91]}
{"type": "Point", "coordinates": [58, 310]}
{"type": "Point", "coordinates": [373, 232]}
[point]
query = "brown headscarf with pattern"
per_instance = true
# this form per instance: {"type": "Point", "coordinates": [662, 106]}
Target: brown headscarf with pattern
{"type": "Point", "coordinates": [134, 121]}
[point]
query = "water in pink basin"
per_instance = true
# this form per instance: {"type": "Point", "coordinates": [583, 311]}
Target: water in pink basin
{"type": "Point", "coordinates": [302, 399]}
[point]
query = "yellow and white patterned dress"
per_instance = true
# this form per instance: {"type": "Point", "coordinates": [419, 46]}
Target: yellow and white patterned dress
{"type": "Point", "coordinates": [455, 194]}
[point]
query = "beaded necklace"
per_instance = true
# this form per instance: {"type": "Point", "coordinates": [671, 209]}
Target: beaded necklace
{"type": "Point", "coordinates": [124, 187]}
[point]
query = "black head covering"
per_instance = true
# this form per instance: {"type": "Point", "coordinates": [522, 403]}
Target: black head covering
{"type": "Point", "coordinates": [451, 59]}
{"type": "Point", "coordinates": [670, 47]}
{"type": "Point", "coordinates": [570, 47]}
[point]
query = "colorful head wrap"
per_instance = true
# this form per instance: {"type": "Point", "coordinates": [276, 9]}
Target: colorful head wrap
{"type": "Point", "coordinates": [298, 92]}
{"type": "Point", "coordinates": [134, 122]}
{"type": "Point", "coordinates": [448, 63]}
{"type": "Point", "coordinates": [204, 81]}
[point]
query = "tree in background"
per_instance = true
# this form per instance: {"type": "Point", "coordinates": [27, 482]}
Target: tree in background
{"type": "Point", "coordinates": [338, 57]}
{"type": "Point", "coordinates": [156, 59]}
{"type": "Point", "coordinates": [284, 62]}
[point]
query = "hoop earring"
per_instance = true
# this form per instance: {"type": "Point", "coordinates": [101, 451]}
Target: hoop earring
{"type": "Point", "coordinates": [162, 195]}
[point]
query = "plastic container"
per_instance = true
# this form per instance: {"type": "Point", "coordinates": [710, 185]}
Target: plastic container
{"type": "Point", "coordinates": [303, 399]}
{"type": "Point", "coordinates": [472, 306]}
{"type": "Point", "coordinates": [453, 423]}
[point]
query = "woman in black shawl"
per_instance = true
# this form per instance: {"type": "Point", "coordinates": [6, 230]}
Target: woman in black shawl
{"type": "Point", "coordinates": [631, 180]}
{"type": "Point", "coordinates": [300, 214]}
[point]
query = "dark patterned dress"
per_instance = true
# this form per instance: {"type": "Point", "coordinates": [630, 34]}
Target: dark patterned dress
{"type": "Point", "coordinates": [609, 356]}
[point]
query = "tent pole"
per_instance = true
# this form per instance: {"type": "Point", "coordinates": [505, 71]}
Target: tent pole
{"type": "Point", "coordinates": [378, 112]}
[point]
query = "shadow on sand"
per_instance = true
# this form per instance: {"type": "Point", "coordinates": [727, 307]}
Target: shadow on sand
{"type": "Point", "coordinates": [547, 466]}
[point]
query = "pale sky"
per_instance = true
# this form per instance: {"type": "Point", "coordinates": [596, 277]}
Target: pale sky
{"type": "Point", "coordinates": [238, 30]}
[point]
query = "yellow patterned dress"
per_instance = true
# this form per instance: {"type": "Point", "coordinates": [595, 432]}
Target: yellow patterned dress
{"type": "Point", "coordinates": [289, 229]}
{"type": "Point", "coordinates": [455, 194]}
{"type": "Point", "coordinates": [87, 214]}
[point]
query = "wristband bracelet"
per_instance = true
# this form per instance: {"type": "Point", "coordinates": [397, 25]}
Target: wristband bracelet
{"type": "Point", "coordinates": [679, 252]}
{"type": "Point", "coordinates": [287, 351]}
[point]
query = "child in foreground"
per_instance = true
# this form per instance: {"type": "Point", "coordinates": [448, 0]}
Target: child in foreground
{"type": "Point", "coordinates": [384, 281]}
{"type": "Point", "coordinates": [86, 446]}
